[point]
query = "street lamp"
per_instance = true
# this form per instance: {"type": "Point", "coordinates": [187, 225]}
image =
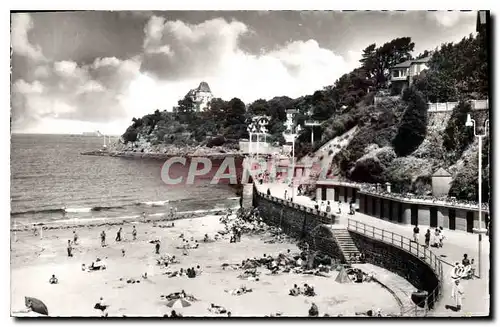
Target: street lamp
{"type": "Point", "coordinates": [480, 231]}
{"type": "Point", "coordinates": [290, 134]}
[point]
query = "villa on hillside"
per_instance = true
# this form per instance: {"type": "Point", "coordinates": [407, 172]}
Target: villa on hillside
{"type": "Point", "coordinates": [403, 73]}
{"type": "Point", "coordinates": [201, 96]}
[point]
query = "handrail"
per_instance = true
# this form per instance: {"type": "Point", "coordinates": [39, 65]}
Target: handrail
{"type": "Point", "coordinates": [365, 188]}
{"type": "Point", "coordinates": [400, 241]}
{"type": "Point", "coordinates": [323, 217]}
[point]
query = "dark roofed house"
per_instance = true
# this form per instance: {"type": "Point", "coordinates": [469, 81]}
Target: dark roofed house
{"type": "Point", "coordinates": [402, 74]}
{"type": "Point", "coordinates": [441, 182]}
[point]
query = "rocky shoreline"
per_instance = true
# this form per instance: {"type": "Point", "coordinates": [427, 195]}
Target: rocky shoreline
{"type": "Point", "coordinates": [159, 155]}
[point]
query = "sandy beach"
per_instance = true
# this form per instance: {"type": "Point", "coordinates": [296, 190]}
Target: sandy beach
{"type": "Point", "coordinates": [35, 260]}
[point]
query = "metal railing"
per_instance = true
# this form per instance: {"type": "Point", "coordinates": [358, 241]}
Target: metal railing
{"type": "Point", "coordinates": [419, 251]}
{"type": "Point", "coordinates": [323, 217]}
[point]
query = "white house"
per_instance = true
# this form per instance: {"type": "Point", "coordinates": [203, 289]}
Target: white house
{"type": "Point", "coordinates": [402, 74]}
{"type": "Point", "coordinates": [201, 96]}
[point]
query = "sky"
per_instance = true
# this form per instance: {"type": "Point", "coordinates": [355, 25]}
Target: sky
{"type": "Point", "coordinates": [74, 72]}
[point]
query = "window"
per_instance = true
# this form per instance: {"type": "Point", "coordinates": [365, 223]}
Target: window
{"type": "Point", "coordinates": [395, 73]}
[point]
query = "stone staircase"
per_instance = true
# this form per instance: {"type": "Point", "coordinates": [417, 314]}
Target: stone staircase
{"type": "Point", "coordinates": [346, 244]}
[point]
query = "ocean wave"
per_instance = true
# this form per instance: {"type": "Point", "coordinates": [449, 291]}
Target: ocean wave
{"type": "Point", "coordinates": [153, 203]}
{"type": "Point", "coordinates": [82, 210]}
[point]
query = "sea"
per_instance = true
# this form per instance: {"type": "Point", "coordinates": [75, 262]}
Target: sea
{"type": "Point", "coordinates": [52, 183]}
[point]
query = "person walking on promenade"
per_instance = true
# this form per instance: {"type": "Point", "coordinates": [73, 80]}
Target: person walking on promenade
{"type": "Point", "coordinates": [134, 233]}
{"type": "Point", "coordinates": [427, 238]}
{"type": "Point", "coordinates": [119, 235]}
{"type": "Point", "coordinates": [465, 260]}
{"type": "Point", "coordinates": [416, 230]}
{"type": "Point", "coordinates": [440, 237]}
{"type": "Point", "coordinates": [157, 247]}
{"type": "Point", "coordinates": [328, 208]}
{"type": "Point", "coordinates": [268, 191]}
{"type": "Point", "coordinates": [103, 239]}
{"type": "Point", "coordinates": [286, 191]}
{"type": "Point", "coordinates": [457, 294]}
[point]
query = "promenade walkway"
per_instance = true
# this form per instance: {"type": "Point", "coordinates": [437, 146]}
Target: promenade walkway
{"type": "Point", "coordinates": [456, 244]}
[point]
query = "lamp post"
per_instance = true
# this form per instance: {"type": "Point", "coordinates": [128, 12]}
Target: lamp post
{"type": "Point", "coordinates": [480, 231]}
{"type": "Point", "coordinates": [290, 134]}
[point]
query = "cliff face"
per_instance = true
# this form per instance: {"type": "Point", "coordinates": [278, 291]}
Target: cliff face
{"type": "Point", "coordinates": [369, 155]}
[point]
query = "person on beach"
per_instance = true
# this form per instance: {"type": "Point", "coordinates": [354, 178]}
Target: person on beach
{"type": "Point", "coordinates": [134, 233]}
{"type": "Point", "coordinates": [143, 215]}
{"type": "Point", "coordinates": [157, 247]}
{"type": "Point", "coordinates": [416, 230]}
{"type": "Point", "coordinates": [35, 230]}
{"type": "Point", "coordinates": [286, 191]}
{"type": "Point", "coordinates": [269, 191]}
{"type": "Point", "coordinates": [70, 249]}
{"type": "Point", "coordinates": [53, 280]}
{"type": "Point", "coordinates": [328, 208]}
{"type": "Point", "coordinates": [75, 238]}
{"type": "Point", "coordinates": [340, 208]}
{"type": "Point", "coordinates": [119, 235]}
{"type": "Point", "coordinates": [101, 305]}
{"type": "Point", "coordinates": [103, 239]}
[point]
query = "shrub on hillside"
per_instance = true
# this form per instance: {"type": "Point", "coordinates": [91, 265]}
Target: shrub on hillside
{"type": "Point", "coordinates": [413, 127]}
{"type": "Point", "coordinates": [372, 167]}
{"type": "Point", "coordinates": [219, 140]}
{"type": "Point", "coordinates": [404, 172]}
{"type": "Point", "coordinates": [456, 136]}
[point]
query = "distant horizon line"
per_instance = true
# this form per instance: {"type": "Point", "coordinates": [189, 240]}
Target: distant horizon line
{"type": "Point", "coordinates": [75, 134]}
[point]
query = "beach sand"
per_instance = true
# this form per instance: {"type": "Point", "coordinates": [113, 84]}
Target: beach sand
{"type": "Point", "coordinates": [34, 260]}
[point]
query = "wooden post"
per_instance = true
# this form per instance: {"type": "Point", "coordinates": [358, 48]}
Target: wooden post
{"type": "Point", "coordinates": [382, 234]}
{"type": "Point", "coordinates": [373, 231]}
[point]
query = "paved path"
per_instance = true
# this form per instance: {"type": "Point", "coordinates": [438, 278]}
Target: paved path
{"type": "Point", "coordinates": [476, 297]}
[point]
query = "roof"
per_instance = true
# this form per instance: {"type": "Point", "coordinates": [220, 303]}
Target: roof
{"type": "Point", "coordinates": [204, 87]}
{"type": "Point", "coordinates": [404, 64]}
{"type": "Point", "coordinates": [408, 63]}
{"type": "Point", "coordinates": [441, 173]}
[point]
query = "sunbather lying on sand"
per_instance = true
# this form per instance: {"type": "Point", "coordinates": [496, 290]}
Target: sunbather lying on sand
{"type": "Point", "coordinates": [239, 291]}
{"type": "Point", "coordinates": [217, 309]}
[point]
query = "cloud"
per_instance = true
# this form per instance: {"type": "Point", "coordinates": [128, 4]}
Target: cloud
{"type": "Point", "coordinates": [66, 90]}
{"type": "Point", "coordinates": [21, 25]}
{"type": "Point", "coordinates": [449, 18]}
{"type": "Point", "coordinates": [210, 51]}
{"type": "Point", "coordinates": [176, 57]}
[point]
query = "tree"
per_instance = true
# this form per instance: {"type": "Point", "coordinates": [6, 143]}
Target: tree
{"type": "Point", "coordinates": [185, 110]}
{"type": "Point", "coordinates": [259, 107]}
{"type": "Point", "coordinates": [235, 123]}
{"type": "Point", "coordinates": [413, 126]}
{"type": "Point", "coordinates": [130, 135]}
